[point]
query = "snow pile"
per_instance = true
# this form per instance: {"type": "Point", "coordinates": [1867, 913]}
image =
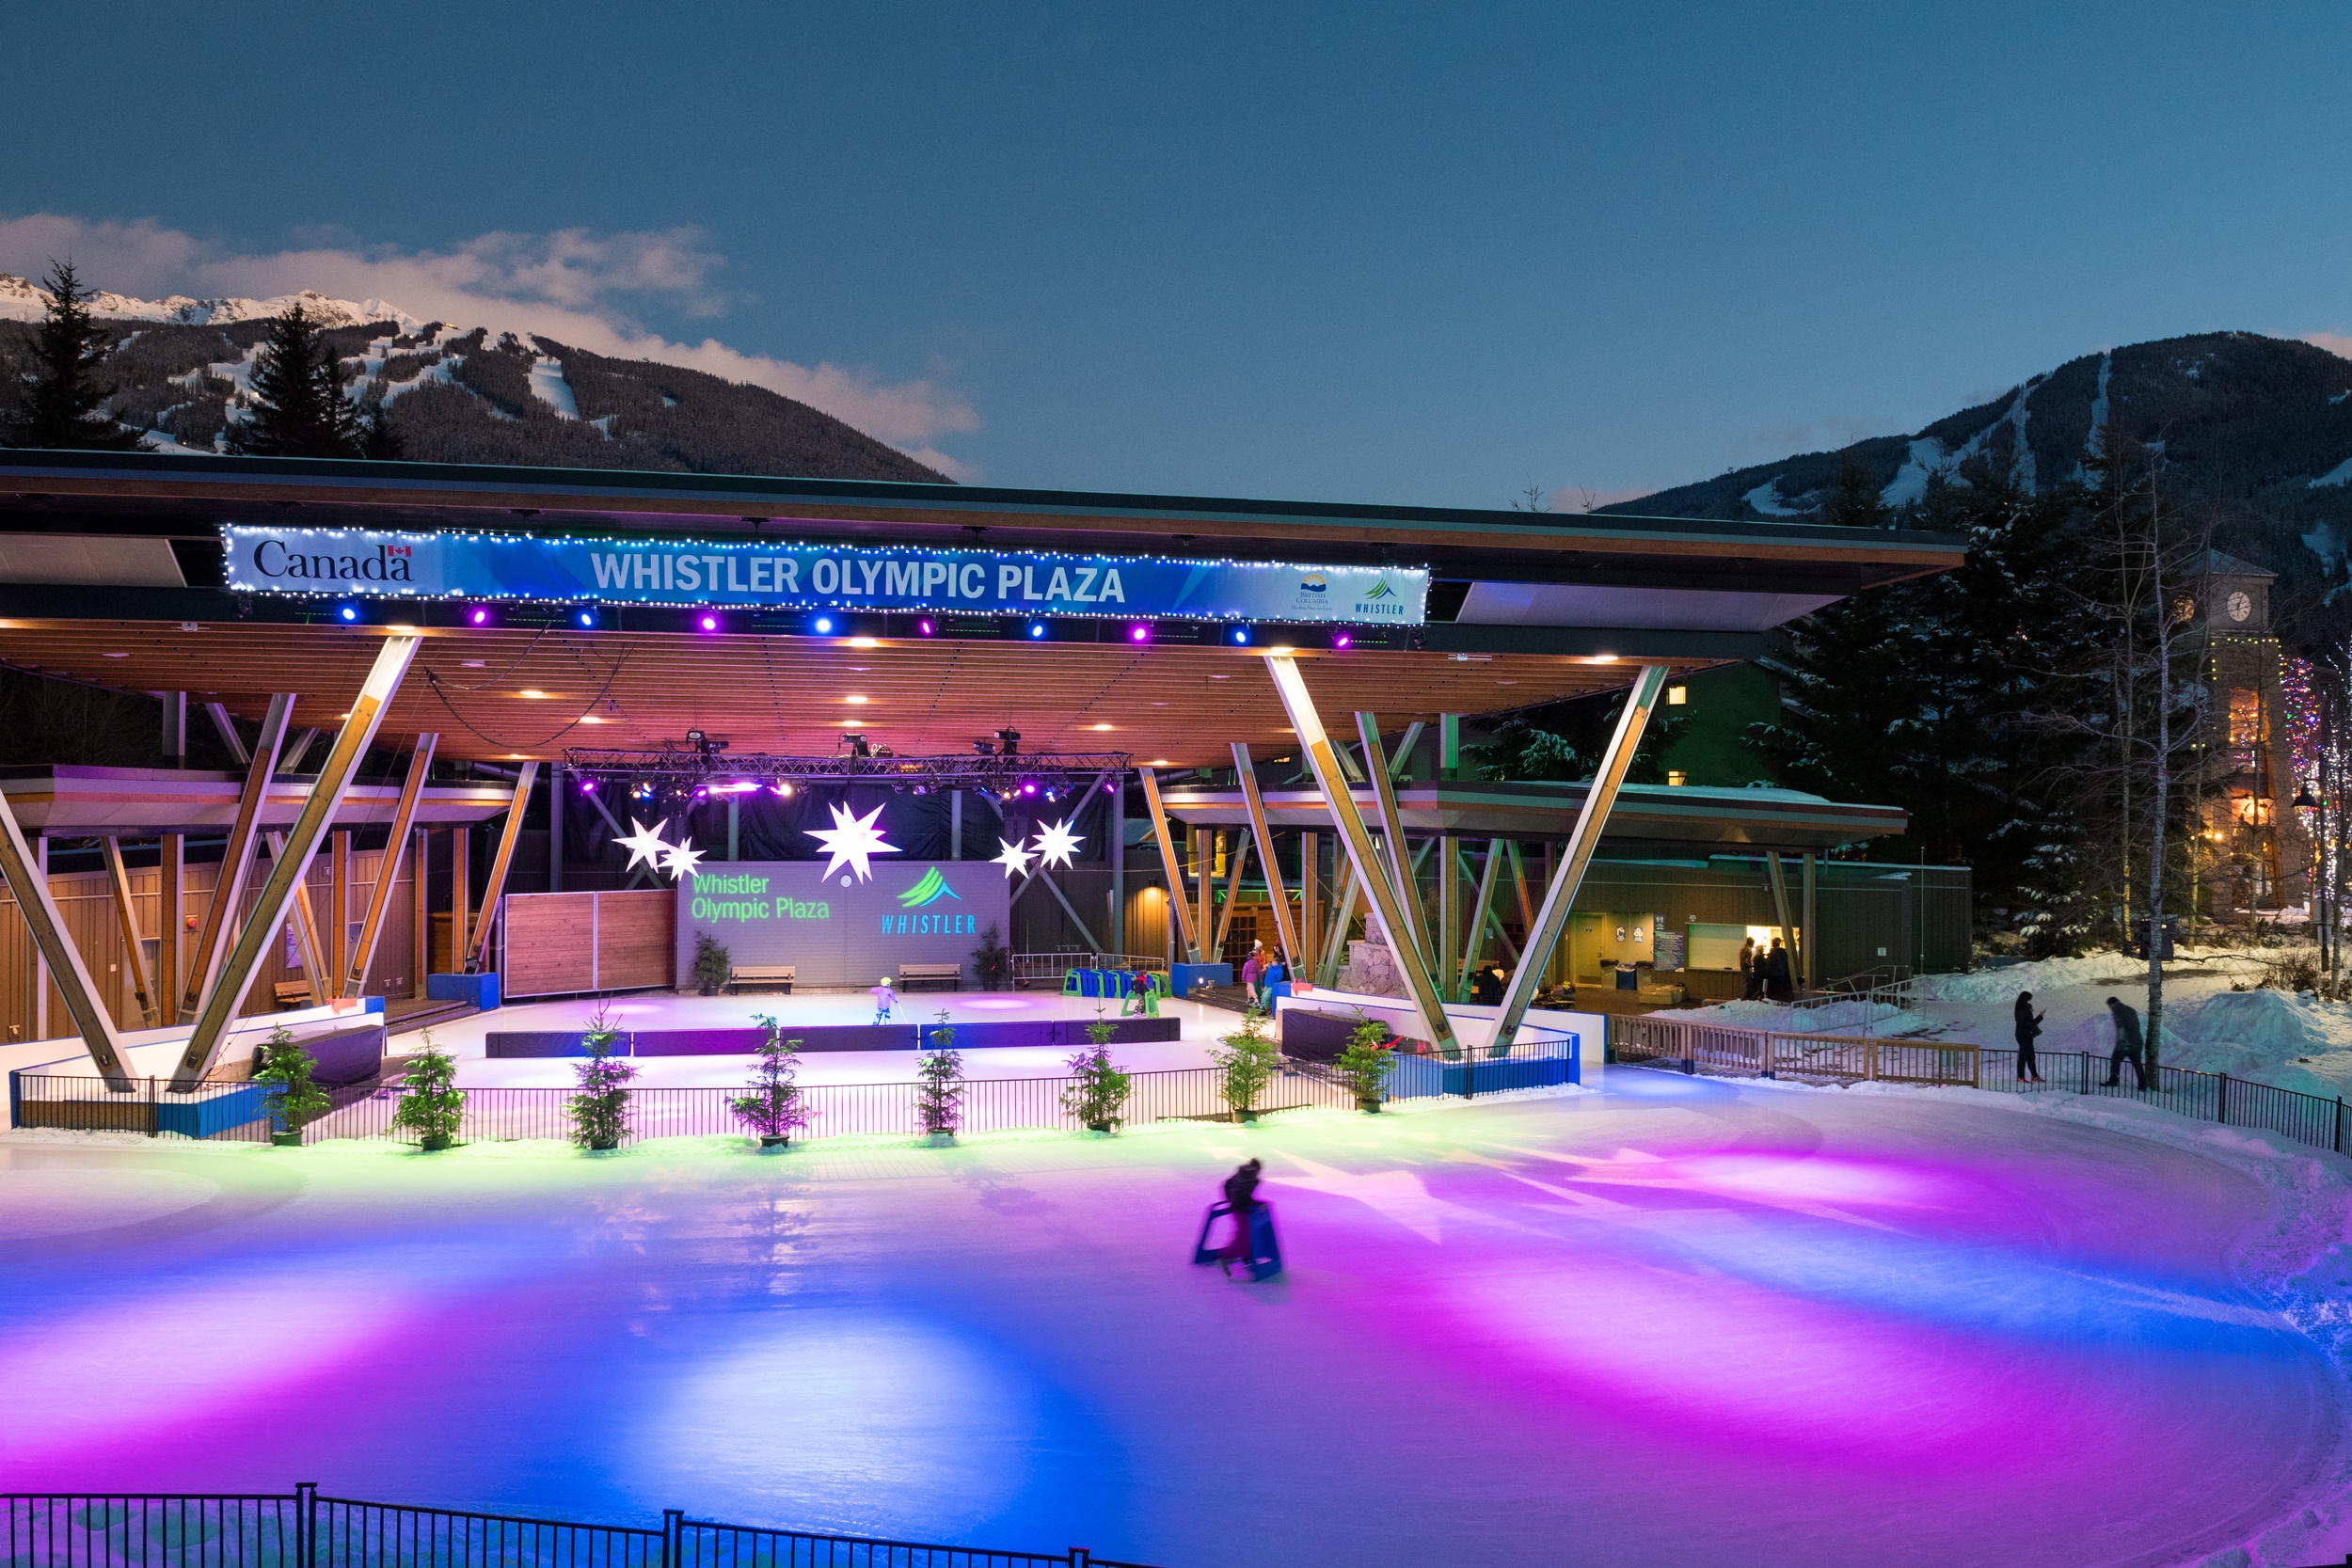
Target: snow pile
{"type": "Point", "coordinates": [2262, 1035]}
{"type": "Point", "coordinates": [1837, 1018]}
{"type": "Point", "coordinates": [2042, 974]}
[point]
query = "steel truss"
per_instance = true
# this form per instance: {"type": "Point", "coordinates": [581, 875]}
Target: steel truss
{"type": "Point", "coordinates": [687, 771]}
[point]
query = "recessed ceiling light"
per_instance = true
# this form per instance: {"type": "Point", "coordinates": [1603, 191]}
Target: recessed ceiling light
{"type": "Point", "coordinates": [1507, 683]}
{"type": "Point", "coordinates": [1221, 677]}
{"type": "Point", "coordinates": [590, 719]}
{"type": "Point", "coordinates": [855, 700]}
{"type": "Point", "coordinates": [863, 643]}
{"type": "Point", "coordinates": [1158, 762]}
{"type": "Point", "coordinates": [1100, 726]}
{"type": "Point", "coordinates": [117, 656]}
{"type": "Point", "coordinates": [531, 691]}
{"type": "Point", "coordinates": [472, 663]}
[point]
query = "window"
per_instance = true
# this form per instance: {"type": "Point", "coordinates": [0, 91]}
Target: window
{"type": "Point", "coordinates": [1678, 695]}
{"type": "Point", "coordinates": [2245, 722]}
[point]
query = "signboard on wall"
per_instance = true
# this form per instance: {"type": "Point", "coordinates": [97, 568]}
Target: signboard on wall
{"type": "Point", "coordinates": [781, 574]}
{"type": "Point", "coordinates": [838, 931]}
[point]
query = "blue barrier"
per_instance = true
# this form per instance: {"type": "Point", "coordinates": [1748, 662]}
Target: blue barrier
{"type": "Point", "coordinates": [481, 990]}
{"type": "Point", "coordinates": [214, 1113]}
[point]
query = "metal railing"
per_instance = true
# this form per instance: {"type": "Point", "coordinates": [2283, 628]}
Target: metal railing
{"type": "Point", "coordinates": [303, 1530]}
{"type": "Point", "coordinates": [2217, 1097]}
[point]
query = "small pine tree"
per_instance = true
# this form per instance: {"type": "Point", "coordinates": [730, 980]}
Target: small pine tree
{"type": "Point", "coordinates": [600, 1109]}
{"type": "Point", "coordinates": [713, 964]}
{"type": "Point", "coordinates": [1367, 1063]}
{"type": "Point", "coordinates": [300, 408]}
{"type": "Point", "coordinates": [59, 399]}
{"type": "Point", "coordinates": [776, 1105]}
{"type": "Point", "coordinates": [939, 1082]}
{"type": "Point", "coordinates": [1250, 1058]}
{"type": "Point", "coordinates": [431, 1104]}
{"type": "Point", "coordinates": [379, 439]}
{"type": "Point", "coordinates": [991, 962]}
{"type": "Point", "coordinates": [1097, 1092]}
{"type": "Point", "coordinates": [294, 1101]}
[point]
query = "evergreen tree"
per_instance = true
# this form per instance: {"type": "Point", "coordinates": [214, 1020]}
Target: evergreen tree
{"type": "Point", "coordinates": [1854, 500]}
{"type": "Point", "coordinates": [300, 408]}
{"type": "Point", "coordinates": [58, 401]}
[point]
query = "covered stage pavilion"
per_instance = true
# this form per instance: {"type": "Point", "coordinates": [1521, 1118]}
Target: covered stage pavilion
{"type": "Point", "coordinates": [686, 633]}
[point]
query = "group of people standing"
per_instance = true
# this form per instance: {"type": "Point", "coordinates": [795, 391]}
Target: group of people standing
{"type": "Point", "coordinates": [1766, 974]}
{"type": "Point", "coordinates": [1261, 972]}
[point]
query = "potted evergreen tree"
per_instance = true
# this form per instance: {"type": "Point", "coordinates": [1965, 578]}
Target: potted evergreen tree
{"type": "Point", "coordinates": [1097, 1092]}
{"type": "Point", "coordinates": [992, 962]}
{"type": "Point", "coordinates": [294, 1101]}
{"type": "Point", "coordinates": [431, 1104]}
{"type": "Point", "coordinates": [714, 966]}
{"type": "Point", "coordinates": [1250, 1058]}
{"type": "Point", "coordinates": [600, 1109]}
{"type": "Point", "coordinates": [939, 1086]}
{"type": "Point", "coordinates": [1367, 1062]}
{"type": "Point", "coordinates": [775, 1105]}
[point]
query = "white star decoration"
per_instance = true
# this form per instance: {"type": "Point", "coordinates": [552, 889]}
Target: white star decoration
{"type": "Point", "coordinates": [851, 840]}
{"type": "Point", "coordinates": [1056, 842]}
{"type": "Point", "coordinates": [1015, 860]}
{"type": "Point", "coordinates": [644, 844]}
{"type": "Point", "coordinates": [681, 859]}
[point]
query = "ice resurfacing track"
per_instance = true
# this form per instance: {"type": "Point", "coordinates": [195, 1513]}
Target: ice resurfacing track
{"type": "Point", "coordinates": [1674, 1322]}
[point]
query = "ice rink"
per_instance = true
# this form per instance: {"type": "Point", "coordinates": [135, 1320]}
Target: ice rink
{"type": "Point", "coordinates": [1665, 1322]}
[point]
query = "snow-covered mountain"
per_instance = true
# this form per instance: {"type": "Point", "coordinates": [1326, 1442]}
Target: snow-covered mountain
{"type": "Point", "coordinates": [182, 373]}
{"type": "Point", "coordinates": [21, 299]}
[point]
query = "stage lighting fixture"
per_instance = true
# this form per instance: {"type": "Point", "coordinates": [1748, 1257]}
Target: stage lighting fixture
{"type": "Point", "coordinates": [708, 623]}
{"type": "Point", "coordinates": [1028, 786]}
{"type": "Point", "coordinates": [587, 787]}
{"type": "Point", "coordinates": [782, 791]}
{"type": "Point", "coordinates": [585, 619]}
{"type": "Point", "coordinates": [1012, 738]}
{"type": "Point", "coordinates": [478, 616]}
{"type": "Point", "coordinates": [1138, 633]}
{"type": "Point", "coordinates": [1241, 634]}
{"type": "Point", "coordinates": [823, 624]}
{"type": "Point", "coordinates": [923, 625]}
{"type": "Point", "coordinates": [985, 748]}
{"type": "Point", "coordinates": [346, 613]}
{"type": "Point", "coordinates": [858, 744]}
{"type": "Point", "coordinates": [1037, 628]}
{"type": "Point", "coordinates": [1340, 640]}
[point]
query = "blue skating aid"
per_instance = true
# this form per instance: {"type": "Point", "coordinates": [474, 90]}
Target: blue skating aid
{"type": "Point", "coordinates": [1265, 1252]}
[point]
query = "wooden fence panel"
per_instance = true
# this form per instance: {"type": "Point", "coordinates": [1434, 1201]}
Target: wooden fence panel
{"type": "Point", "coordinates": [551, 943]}
{"type": "Point", "coordinates": [636, 939]}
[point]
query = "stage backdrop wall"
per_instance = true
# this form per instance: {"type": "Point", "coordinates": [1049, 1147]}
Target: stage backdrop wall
{"type": "Point", "coordinates": [837, 931]}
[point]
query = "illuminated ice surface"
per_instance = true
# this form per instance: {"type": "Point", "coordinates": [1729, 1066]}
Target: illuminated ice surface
{"type": "Point", "coordinates": [1672, 1322]}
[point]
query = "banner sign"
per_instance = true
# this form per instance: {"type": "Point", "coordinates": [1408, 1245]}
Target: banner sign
{"type": "Point", "coordinates": [843, 931]}
{"type": "Point", "coordinates": [782, 575]}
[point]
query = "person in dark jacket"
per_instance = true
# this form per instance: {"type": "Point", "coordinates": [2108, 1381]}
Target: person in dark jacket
{"type": "Point", "coordinates": [1487, 985]}
{"type": "Point", "coordinates": [1779, 980]}
{"type": "Point", "coordinates": [1751, 972]}
{"type": "Point", "coordinates": [2127, 1047]}
{"type": "Point", "coordinates": [1241, 1191]}
{"type": "Point", "coordinates": [2029, 1030]}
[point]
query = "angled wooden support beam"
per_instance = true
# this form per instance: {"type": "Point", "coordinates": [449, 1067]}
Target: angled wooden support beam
{"type": "Point", "coordinates": [500, 863]}
{"type": "Point", "coordinates": [127, 916]}
{"type": "Point", "coordinates": [387, 870]}
{"type": "Point", "coordinates": [30, 883]}
{"type": "Point", "coordinates": [1335, 934]}
{"type": "Point", "coordinates": [1237, 858]}
{"type": "Point", "coordinates": [1179, 895]}
{"type": "Point", "coordinates": [1401, 878]}
{"type": "Point", "coordinates": [1481, 912]}
{"type": "Point", "coordinates": [1324, 757]}
{"type": "Point", "coordinates": [338, 932]}
{"type": "Point", "coordinates": [306, 924]}
{"type": "Point", "coordinates": [226, 993]}
{"type": "Point", "coordinates": [1286, 930]}
{"type": "Point", "coordinates": [237, 855]}
{"type": "Point", "coordinates": [171, 867]}
{"type": "Point", "coordinates": [1553, 919]}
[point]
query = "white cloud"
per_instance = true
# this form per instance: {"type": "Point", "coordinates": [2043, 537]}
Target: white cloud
{"type": "Point", "coordinates": [570, 285]}
{"type": "Point", "coordinates": [2334, 342]}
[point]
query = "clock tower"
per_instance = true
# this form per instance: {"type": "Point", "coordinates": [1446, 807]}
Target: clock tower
{"type": "Point", "coordinates": [2252, 852]}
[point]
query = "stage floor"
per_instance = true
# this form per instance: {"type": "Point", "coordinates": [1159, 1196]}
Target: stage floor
{"type": "Point", "coordinates": [1669, 1322]}
{"type": "Point", "coordinates": [463, 1037]}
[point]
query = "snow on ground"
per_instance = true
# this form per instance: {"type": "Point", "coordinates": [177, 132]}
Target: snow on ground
{"type": "Point", "coordinates": [549, 386]}
{"type": "Point", "coordinates": [1673, 1321]}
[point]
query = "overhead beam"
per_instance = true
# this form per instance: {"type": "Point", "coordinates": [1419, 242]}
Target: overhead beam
{"type": "Point", "coordinates": [1286, 930]}
{"type": "Point", "coordinates": [1179, 898]}
{"type": "Point", "coordinates": [500, 863]}
{"type": "Point", "coordinates": [227, 993]}
{"type": "Point", "coordinates": [30, 883]}
{"type": "Point", "coordinates": [387, 870]}
{"type": "Point", "coordinates": [236, 857]}
{"type": "Point", "coordinates": [1583, 839]}
{"type": "Point", "coordinates": [1324, 757]}
{"type": "Point", "coordinates": [127, 916]}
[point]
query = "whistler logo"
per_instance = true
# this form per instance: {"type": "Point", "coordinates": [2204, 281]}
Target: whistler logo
{"type": "Point", "coordinates": [1380, 599]}
{"type": "Point", "coordinates": [930, 890]}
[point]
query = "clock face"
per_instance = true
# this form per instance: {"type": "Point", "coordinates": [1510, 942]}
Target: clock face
{"type": "Point", "coordinates": [2241, 606]}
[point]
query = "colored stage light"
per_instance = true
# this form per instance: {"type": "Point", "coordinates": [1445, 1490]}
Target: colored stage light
{"type": "Point", "coordinates": [780, 790]}
{"type": "Point", "coordinates": [708, 623]}
{"type": "Point", "coordinates": [1340, 640]}
{"type": "Point", "coordinates": [1029, 789]}
{"type": "Point", "coordinates": [1241, 634]}
{"type": "Point", "coordinates": [1138, 633]}
{"type": "Point", "coordinates": [346, 613]}
{"type": "Point", "coordinates": [1037, 628]}
{"type": "Point", "coordinates": [924, 626]}
{"type": "Point", "coordinates": [823, 624]}
{"type": "Point", "coordinates": [585, 620]}
{"type": "Point", "coordinates": [587, 787]}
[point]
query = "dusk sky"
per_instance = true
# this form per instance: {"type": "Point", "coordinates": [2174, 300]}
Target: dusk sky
{"type": "Point", "coordinates": [1420, 254]}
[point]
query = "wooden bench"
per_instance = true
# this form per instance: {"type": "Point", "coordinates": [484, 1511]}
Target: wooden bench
{"type": "Point", "coordinates": [293, 993]}
{"type": "Point", "coordinates": [761, 974]}
{"type": "Point", "coordinates": [912, 975]}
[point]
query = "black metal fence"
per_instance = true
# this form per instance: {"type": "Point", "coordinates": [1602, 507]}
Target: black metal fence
{"type": "Point", "coordinates": [303, 1530]}
{"type": "Point", "coordinates": [2217, 1097]}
